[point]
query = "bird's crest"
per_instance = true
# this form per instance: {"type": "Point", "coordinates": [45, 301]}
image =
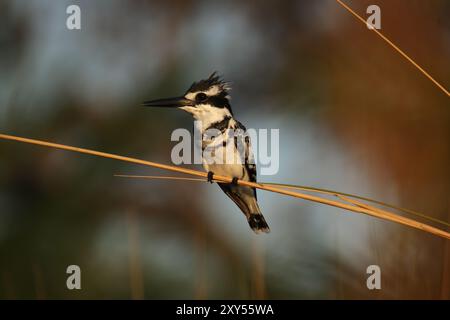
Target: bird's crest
{"type": "Point", "coordinates": [213, 80]}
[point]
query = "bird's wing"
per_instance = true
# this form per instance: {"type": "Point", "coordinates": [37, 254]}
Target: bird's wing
{"type": "Point", "coordinates": [249, 160]}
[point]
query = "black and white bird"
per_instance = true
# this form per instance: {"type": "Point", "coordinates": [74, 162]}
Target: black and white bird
{"type": "Point", "coordinates": [208, 101]}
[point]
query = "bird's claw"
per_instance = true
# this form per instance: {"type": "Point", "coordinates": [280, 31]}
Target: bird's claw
{"type": "Point", "coordinates": [210, 177]}
{"type": "Point", "coordinates": [234, 181]}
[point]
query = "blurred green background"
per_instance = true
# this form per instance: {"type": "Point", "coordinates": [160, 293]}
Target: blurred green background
{"type": "Point", "coordinates": [353, 115]}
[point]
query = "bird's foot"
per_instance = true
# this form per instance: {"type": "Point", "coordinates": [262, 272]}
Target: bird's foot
{"type": "Point", "coordinates": [210, 177]}
{"type": "Point", "coordinates": [234, 181]}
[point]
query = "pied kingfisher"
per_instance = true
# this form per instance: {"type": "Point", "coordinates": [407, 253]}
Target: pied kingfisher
{"type": "Point", "coordinates": [208, 102]}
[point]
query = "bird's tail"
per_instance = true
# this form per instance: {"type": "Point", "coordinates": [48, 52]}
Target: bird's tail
{"type": "Point", "coordinates": [258, 223]}
{"type": "Point", "coordinates": [245, 198]}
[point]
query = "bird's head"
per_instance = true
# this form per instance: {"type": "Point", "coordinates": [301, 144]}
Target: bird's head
{"type": "Point", "coordinates": [207, 100]}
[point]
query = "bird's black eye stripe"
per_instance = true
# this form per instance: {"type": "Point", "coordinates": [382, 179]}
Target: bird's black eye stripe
{"type": "Point", "coordinates": [201, 97]}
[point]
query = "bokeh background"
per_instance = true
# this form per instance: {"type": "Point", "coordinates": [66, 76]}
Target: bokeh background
{"type": "Point", "coordinates": [353, 115]}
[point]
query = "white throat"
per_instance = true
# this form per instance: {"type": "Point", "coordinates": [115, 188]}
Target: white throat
{"type": "Point", "coordinates": [207, 114]}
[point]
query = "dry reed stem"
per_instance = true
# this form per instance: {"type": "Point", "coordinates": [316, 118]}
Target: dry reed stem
{"type": "Point", "coordinates": [304, 188]}
{"type": "Point", "coordinates": [396, 218]}
{"type": "Point", "coordinates": [415, 64]}
{"type": "Point", "coordinates": [355, 208]}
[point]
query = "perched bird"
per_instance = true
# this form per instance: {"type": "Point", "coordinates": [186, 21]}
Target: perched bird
{"type": "Point", "coordinates": [208, 102]}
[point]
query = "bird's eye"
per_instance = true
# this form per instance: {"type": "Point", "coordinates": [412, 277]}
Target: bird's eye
{"type": "Point", "coordinates": [200, 97]}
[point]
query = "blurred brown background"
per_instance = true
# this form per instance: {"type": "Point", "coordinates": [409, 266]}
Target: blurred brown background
{"type": "Point", "coordinates": [354, 116]}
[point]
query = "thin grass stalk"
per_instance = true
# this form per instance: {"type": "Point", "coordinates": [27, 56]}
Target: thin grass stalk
{"type": "Point", "coordinates": [304, 188]}
{"type": "Point", "coordinates": [355, 208]}
{"type": "Point", "coordinates": [401, 52]}
{"type": "Point", "coordinates": [393, 217]}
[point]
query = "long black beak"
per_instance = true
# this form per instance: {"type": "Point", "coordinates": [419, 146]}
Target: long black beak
{"type": "Point", "coordinates": [169, 102]}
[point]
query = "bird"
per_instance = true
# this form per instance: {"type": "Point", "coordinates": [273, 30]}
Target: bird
{"type": "Point", "coordinates": [208, 101]}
